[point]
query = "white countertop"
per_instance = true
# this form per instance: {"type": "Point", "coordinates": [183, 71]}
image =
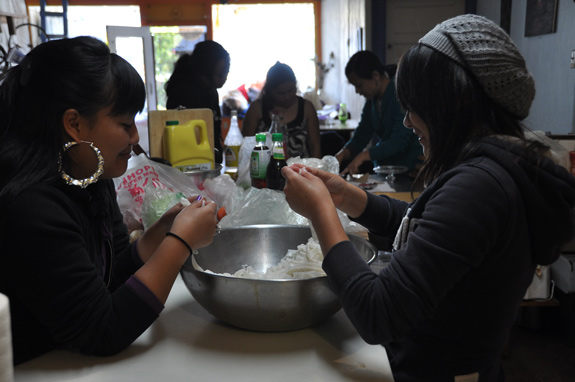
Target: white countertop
{"type": "Point", "coordinates": [187, 344]}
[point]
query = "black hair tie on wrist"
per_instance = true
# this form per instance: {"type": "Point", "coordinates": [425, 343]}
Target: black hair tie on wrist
{"type": "Point", "coordinates": [180, 239]}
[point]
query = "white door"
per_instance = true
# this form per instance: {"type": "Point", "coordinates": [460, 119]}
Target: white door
{"type": "Point", "coordinates": [409, 20]}
{"type": "Point", "coordinates": [134, 44]}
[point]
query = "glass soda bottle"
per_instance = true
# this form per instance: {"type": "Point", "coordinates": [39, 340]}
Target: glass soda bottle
{"type": "Point", "coordinates": [277, 126]}
{"type": "Point", "coordinates": [232, 143]}
{"type": "Point", "coordinates": [274, 177]}
{"type": "Point", "coordinates": [259, 160]}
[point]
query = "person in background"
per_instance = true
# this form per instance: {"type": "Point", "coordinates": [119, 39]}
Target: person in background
{"type": "Point", "coordinates": [465, 251]}
{"type": "Point", "coordinates": [195, 81]}
{"type": "Point", "coordinates": [66, 263]}
{"type": "Point", "coordinates": [279, 94]}
{"type": "Point", "coordinates": [381, 119]}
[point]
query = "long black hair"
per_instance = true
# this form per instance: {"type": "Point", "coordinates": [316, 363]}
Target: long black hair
{"type": "Point", "coordinates": [78, 73]}
{"type": "Point", "coordinates": [277, 75]}
{"type": "Point", "coordinates": [457, 111]}
{"type": "Point", "coordinates": [201, 63]}
{"type": "Point", "coordinates": [365, 62]}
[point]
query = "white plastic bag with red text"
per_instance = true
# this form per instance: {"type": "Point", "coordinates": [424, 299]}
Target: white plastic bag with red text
{"type": "Point", "coordinates": [143, 175]}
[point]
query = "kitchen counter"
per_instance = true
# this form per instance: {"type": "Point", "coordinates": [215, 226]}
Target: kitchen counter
{"type": "Point", "coordinates": [187, 344]}
{"type": "Point", "coordinates": [400, 188]}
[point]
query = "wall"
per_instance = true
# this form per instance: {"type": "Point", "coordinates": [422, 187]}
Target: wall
{"type": "Point", "coordinates": [341, 23]}
{"type": "Point", "coordinates": [547, 58]}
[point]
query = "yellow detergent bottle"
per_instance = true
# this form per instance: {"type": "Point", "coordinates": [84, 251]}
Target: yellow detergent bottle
{"type": "Point", "coordinates": [183, 150]}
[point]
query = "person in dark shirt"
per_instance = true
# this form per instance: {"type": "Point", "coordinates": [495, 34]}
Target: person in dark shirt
{"type": "Point", "coordinates": [494, 206]}
{"type": "Point", "coordinates": [381, 120]}
{"type": "Point", "coordinates": [279, 96]}
{"type": "Point", "coordinates": [73, 278]}
{"type": "Point", "coordinates": [195, 81]}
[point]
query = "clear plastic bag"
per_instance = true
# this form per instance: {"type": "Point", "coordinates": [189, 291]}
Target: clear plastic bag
{"type": "Point", "coordinates": [328, 163]}
{"type": "Point", "coordinates": [258, 206]}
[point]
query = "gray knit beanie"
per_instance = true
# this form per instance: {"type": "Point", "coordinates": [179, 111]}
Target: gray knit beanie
{"type": "Point", "coordinates": [481, 46]}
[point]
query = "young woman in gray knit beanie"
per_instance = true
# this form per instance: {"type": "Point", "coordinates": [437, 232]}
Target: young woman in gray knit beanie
{"type": "Point", "coordinates": [465, 251]}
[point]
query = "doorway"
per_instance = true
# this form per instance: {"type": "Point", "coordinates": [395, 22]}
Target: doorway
{"type": "Point", "coordinates": [409, 20]}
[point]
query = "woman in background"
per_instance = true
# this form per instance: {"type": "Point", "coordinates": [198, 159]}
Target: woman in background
{"type": "Point", "coordinates": [279, 95]}
{"type": "Point", "coordinates": [73, 279]}
{"type": "Point", "coordinates": [465, 251]}
{"type": "Point", "coordinates": [381, 119]}
{"type": "Point", "coordinates": [195, 81]}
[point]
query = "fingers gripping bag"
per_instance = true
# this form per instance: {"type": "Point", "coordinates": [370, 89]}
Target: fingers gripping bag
{"type": "Point", "coordinates": [147, 189]}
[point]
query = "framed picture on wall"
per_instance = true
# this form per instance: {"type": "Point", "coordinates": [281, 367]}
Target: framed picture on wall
{"type": "Point", "coordinates": [540, 17]}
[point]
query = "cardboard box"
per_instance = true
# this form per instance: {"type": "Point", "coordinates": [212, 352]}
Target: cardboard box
{"type": "Point", "coordinates": [563, 273]}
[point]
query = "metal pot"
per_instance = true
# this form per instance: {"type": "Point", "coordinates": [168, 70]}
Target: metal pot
{"type": "Point", "coordinates": [262, 305]}
{"type": "Point", "coordinates": [199, 176]}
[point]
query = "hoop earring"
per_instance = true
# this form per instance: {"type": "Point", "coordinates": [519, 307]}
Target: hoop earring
{"type": "Point", "coordinates": [82, 183]}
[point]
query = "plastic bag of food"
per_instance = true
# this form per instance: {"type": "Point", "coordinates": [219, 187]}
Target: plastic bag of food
{"type": "Point", "coordinates": [145, 176]}
{"type": "Point", "coordinates": [156, 202]}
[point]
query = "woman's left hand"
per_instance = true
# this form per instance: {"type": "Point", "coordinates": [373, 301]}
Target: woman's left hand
{"type": "Point", "coordinates": [167, 219]}
{"type": "Point", "coordinates": [305, 193]}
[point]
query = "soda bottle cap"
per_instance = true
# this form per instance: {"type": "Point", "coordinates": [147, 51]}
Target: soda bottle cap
{"type": "Point", "coordinates": [261, 137]}
{"type": "Point", "coordinates": [277, 137]}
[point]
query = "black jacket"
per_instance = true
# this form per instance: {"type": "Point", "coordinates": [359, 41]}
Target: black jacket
{"type": "Point", "coordinates": [65, 265]}
{"type": "Point", "coordinates": [464, 257]}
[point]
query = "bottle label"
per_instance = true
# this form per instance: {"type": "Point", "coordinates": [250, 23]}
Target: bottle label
{"type": "Point", "coordinates": [232, 156]}
{"type": "Point", "coordinates": [195, 167]}
{"type": "Point", "coordinates": [278, 152]}
{"type": "Point", "coordinates": [259, 164]}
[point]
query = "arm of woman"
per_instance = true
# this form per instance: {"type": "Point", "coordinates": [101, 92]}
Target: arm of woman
{"type": "Point", "coordinates": [313, 136]}
{"type": "Point", "coordinates": [364, 131]}
{"type": "Point", "coordinates": [165, 255]}
{"type": "Point", "coordinates": [353, 166]}
{"type": "Point", "coordinates": [56, 278]}
{"type": "Point", "coordinates": [252, 118]}
{"type": "Point", "coordinates": [343, 154]}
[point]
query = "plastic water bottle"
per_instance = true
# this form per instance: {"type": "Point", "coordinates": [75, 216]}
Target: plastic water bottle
{"type": "Point", "coordinates": [232, 144]}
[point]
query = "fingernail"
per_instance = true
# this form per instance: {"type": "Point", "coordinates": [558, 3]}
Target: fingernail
{"type": "Point", "coordinates": [199, 198]}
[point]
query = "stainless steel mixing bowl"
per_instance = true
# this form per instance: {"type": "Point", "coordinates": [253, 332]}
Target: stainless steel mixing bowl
{"type": "Point", "coordinates": [262, 305]}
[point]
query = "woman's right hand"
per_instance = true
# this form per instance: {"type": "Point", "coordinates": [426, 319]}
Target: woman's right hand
{"type": "Point", "coordinates": [196, 223]}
